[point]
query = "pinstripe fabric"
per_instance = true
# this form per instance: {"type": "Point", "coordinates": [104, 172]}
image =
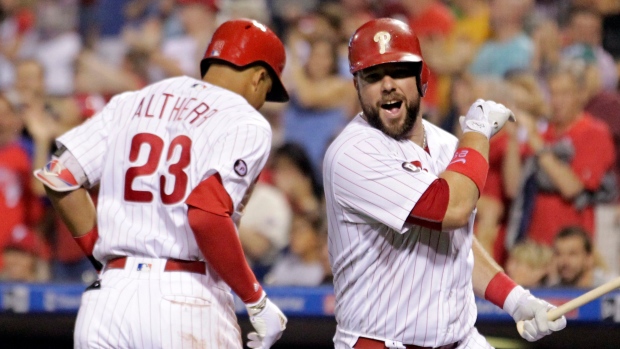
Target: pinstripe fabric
{"type": "Point", "coordinates": [393, 280]}
{"type": "Point", "coordinates": [222, 128]}
{"type": "Point", "coordinates": [156, 309]}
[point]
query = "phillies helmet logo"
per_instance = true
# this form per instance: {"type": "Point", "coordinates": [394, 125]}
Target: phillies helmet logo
{"type": "Point", "coordinates": [383, 38]}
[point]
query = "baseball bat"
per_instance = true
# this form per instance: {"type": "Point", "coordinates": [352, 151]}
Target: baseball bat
{"type": "Point", "coordinates": [575, 303]}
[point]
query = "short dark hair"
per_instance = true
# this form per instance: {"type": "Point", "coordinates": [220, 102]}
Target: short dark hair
{"type": "Point", "coordinates": [576, 231]}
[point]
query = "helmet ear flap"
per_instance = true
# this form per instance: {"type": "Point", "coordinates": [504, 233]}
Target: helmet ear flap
{"type": "Point", "coordinates": [422, 79]}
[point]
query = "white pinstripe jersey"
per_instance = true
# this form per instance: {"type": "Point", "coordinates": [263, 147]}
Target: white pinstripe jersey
{"type": "Point", "coordinates": [150, 148]}
{"type": "Point", "coordinates": [394, 280]}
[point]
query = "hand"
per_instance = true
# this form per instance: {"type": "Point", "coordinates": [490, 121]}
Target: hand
{"type": "Point", "coordinates": [533, 311]}
{"type": "Point", "coordinates": [486, 117]}
{"type": "Point", "coordinates": [268, 321]}
{"type": "Point", "coordinates": [528, 123]}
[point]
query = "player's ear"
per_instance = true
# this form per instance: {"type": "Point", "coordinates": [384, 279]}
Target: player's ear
{"type": "Point", "coordinates": [260, 77]}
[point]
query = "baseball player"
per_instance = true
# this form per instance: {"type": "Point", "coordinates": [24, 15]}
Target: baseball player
{"type": "Point", "coordinates": [400, 197]}
{"type": "Point", "coordinates": [175, 162]}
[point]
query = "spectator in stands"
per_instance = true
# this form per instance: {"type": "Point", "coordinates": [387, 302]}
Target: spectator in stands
{"type": "Point", "coordinates": [572, 158]}
{"type": "Point", "coordinates": [510, 48]}
{"type": "Point", "coordinates": [575, 259]}
{"type": "Point", "coordinates": [95, 76]}
{"type": "Point", "coordinates": [301, 266]}
{"type": "Point", "coordinates": [22, 258]}
{"type": "Point", "coordinates": [508, 151]}
{"type": "Point", "coordinates": [547, 39]}
{"type": "Point", "coordinates": [449, 55]}
{"type": "Point", "coordinates": [584, 33]}
{"type": "Point", "coordinates": [20, 208]}
{"type": "Point", "coordinates": [604, 105]}
{"type": "Point", "coordinates": [45, 117]}
{"type": "Point", "coordinates": [293, 175]}
{"type": "Point", "coordinates": [321, 98]}
{"type": "Point", "coordinates": [17, 38]}
{"type": "Point", "coordinates": [529, 264]}
{"type": "Point", "coordinates": [264, 227]}
{"type": "Point", "coordinates": [58, 44]}
{"type": "Point", "coordinates": [178, 54]}
{"type": "Point", "coordinates": [433, 23]}
{"type": "Point", "coordinates": [504, 170]}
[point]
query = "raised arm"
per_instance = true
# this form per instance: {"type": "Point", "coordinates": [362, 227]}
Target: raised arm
{"type": "Point", "coordinates": [449, 201]}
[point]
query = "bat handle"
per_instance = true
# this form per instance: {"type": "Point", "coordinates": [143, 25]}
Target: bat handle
{"type": "Point", "coordinates": [552, 314]}
{"type": "Point", "coordinates": [573, 304]}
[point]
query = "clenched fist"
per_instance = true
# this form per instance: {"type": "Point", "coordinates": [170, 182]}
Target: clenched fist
{"type": "Point", "coordinates": [486, 117]}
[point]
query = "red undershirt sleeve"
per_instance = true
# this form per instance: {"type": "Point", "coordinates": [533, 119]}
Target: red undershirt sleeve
{"type": "Point", "coordinates": [431, 208]}
{"type": "Point", "coordinates": [211, 196]}
{"type": "Point", "coordinates": [209, 208]}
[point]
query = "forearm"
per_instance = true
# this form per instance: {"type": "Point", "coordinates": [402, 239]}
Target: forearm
{"type": "Point", "coordinates": [76, 209]}
{"type": "Point", "coordinates": [41, 156]}
{"type": "Point", "coordinates": [464, 191]}
{"type": "Point", "coordinates": [561, 174]}
{"type": "Point", "coordinates": [328, 94]}
{"type": "Point", "coordinates": [217, 239]}
{"type": "Point", "coordinates": [488, 217]}
{"type": "Point", "coordinates": [169, 66]}
{"type": "Point", "coordinates": [485, 268]}
{"type": "Point", "coordinates": [511, 168]}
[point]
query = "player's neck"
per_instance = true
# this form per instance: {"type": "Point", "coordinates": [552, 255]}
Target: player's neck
{"type": "Point", "coordinates": [226, 77]}
{"type": "Point", "coordinates": [418, 134]}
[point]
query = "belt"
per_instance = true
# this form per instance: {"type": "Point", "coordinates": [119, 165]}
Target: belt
{"type": "Point", "coordinates": [171, 265]}
{"type": "Point", "coordinates": [369, 343]}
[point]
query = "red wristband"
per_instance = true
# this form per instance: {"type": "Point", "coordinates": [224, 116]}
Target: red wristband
{"type": "Point", "coordinates": [87, 241]}
{"type": "Point", "coordinates": [498, 289]}
{"type": "Point", "coordinates": [469, 162]}
{"type": "Point", "coordinates": [87, 244]}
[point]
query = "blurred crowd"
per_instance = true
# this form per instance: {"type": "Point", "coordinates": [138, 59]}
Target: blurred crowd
{"type": "Point", "coordinates": [549, 212]}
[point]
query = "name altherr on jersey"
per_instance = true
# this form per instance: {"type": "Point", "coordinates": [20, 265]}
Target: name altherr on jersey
{"type": "Point", "coordinates": [174, 108]}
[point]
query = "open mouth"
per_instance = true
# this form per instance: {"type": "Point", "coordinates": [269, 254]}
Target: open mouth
{"type": "Point", "coordinates": [392, 106]}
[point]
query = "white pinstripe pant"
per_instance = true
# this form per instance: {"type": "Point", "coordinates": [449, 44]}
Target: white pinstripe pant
{"type": "Point", "coordinates": [156, 309]}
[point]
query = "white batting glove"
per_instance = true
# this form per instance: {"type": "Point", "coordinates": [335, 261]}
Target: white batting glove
{"type": "Point", "coordinates": [521, 305]}
{"type": "Point", "coordinates": [486, 117]}
{"type": "Point", "coordinates": [268, 321]}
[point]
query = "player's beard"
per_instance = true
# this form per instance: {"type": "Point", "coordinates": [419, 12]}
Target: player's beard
{"type": "Point", "coordinates": [398, 133]}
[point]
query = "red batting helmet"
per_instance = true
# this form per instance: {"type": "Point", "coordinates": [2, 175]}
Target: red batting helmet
{"type": "Point", "coordinates": [386, 40]}
{"type": "Point", "coordinates": [245, 41]}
